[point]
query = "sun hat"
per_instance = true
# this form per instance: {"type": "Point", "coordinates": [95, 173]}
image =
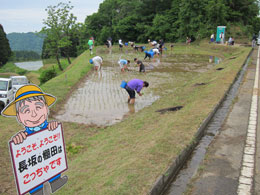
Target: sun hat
{"type": "Point", "coordinates": [24, 92]}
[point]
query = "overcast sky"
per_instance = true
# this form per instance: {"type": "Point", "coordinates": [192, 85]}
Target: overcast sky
{"type": "Point", "coordinates": [27, 15]}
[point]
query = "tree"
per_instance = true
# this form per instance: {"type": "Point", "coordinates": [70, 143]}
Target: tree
{"type": "Point", "coordinates": [192, 19]}
{"type": "Point", "coordinates": [5, 51]}
{"type": "Point", "coordinates": [216, 14]}
{"type": "Point", "coordinates": [25, 55]}
{"type": "Point", "coordinates": [58, 28]}
{"type": "Point", "coordinates": [171, 20]}
{"type": "Point", "coordinates": [242, 10]}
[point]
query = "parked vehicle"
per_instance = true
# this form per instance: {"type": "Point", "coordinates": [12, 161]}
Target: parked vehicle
{"type": "Point", "coordinates": [19, 81]}
{"type": "Point", "coordinates": [258, 40]}
{"type": "Point", "coordinates": [6, 92]}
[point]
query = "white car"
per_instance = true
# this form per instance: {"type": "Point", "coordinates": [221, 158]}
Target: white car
{"type": "Point", "coordinates": [258, 40]}
{"type": "Point", "coordinates": [6, 92]}
{"type": "Point", "coordinates": [19, 81]}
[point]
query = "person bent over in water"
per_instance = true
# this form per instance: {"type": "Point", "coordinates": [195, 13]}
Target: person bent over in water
{"type": "Point", "coordinates": [148, 54]}
{"type": "Point", "coordinates": [123, 64]}
{"type": "Point", "coordinates": [97, 61]}
{"type": "Point", "coordinates": [140, 64]}
{"type": "Point", "coordinates": [135, 85]}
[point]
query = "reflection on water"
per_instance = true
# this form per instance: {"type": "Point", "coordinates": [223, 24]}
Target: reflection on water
{"type": "Point", "coordinates": [100, 100]}
{"type": "Point", "coordinates": [216, 60]}
{"type": "Point", "coordinates": [33, 65]}
{"type": "Point", "coordinates": [131, 108]}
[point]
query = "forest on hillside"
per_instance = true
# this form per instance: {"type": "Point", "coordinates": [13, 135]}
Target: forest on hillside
{"type": "Point", "coordinates": [24, 56]}
{"type": "Point", "coordinates": [170, 20]}
{"type": "Point", "coordinates": [138, 21]}
{"type": "Point", "coordinates": [25, 42]}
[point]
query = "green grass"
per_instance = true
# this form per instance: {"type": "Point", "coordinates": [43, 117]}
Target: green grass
{"type": "Point", "coordinates": [52, 63]}
{"type": "Point", "coordinates": [10, 67]}
{"type": "Point", "coordinates": [128, 157]}
{"type": "Point", "coordinates": [34, 76]}
{"type": "Point", "coordinates": [61, 85]}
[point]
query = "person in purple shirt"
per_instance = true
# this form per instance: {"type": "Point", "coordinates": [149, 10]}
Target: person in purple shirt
{"type": "Point", "coordinates": [135, 85]}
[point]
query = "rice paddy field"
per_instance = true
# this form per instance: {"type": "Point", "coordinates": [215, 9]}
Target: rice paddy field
{"type": "Point", "coordinates": [114, 148]}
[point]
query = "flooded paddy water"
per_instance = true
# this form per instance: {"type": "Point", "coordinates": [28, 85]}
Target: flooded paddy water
{"type": "Point", "coordinates": [31, 65]}
{"type": "Point", "coordinates": [99, 99]}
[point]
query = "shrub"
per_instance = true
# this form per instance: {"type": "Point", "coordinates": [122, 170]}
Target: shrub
{"type": "Point", "coordinates": [21, 71]}
{"type": "Point", "coordinates": [47, 75]}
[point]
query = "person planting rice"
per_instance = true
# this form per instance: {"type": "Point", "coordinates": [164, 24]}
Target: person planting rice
{"type": "Point", "coordinates": [137, 48]}
{"type": "Point", "coordinates": [154, 43]}
{"type": "Point", "coordinates": [148, 54]}
{"type": "Point", "coordinates": [131, 43]}
{"type": "Point", "coordinates": [142, 48]}
{"type": "Point", "coordinates": [156, 51]}
{"type": "Point", "coordinates": [123, 64]}
{"type": "Point", "coordinates": [97, 61]}
{"type": "Point", "coordinates": [161, 46]}
{"type": "Point", "coordinates": [135, 85]}
{"type": "Point", "coordinates": [172, 46]}
{"type": "Point", "coordinates": [140, 64]}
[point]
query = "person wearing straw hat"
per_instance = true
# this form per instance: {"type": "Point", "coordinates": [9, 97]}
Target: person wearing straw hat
{"type": "Point", "coordinates": [31, 108]}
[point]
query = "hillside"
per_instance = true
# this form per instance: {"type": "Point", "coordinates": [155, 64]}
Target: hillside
{"type": "Point", "coordinates": [171, 20]}
{"type": "Point", "coordinates": [25, 42]}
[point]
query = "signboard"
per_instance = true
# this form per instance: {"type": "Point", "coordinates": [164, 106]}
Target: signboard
{"type": "Point", "coordinates": [39, 158]}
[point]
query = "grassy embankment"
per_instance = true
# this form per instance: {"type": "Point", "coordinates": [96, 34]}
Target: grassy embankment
{"type": "Point", "coordinates": [34, 76]}
{"type": "Point", "coordinates": [10, 69]}
{"type": "Point", "coordinates": [9, 126]}
{"type": "Point", "coordinates": [127, 158]}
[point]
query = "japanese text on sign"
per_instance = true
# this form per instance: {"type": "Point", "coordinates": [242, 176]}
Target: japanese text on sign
{"type": "Point", "coordinates": [39, 158]}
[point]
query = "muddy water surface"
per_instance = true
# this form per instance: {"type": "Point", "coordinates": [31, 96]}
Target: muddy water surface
{"type": "Point", "coordinates": [99, 100]}
{"type": "Point", "coordinates": [32, 65]}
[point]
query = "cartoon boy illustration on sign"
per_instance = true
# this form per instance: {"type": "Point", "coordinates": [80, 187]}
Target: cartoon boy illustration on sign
{"type": "Point", "coordinates": [31, 108]}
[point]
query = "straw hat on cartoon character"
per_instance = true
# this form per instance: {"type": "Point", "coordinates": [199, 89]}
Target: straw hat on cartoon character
{"type": "Point", "coordinates": [31, 108]}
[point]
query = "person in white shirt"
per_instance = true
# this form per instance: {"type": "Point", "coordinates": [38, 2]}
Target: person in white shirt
{"type": "Point", "coordinates": [222, 37]}
{"type": "Point", "coordinates": [154, 43]}
{"type": "Point", "coordinates": [212, 37]}
{"type": "Point", "coordinates": [156, 51]}
{"type": "Point", "coordinates": [120, 44]}
{"type": "Point", "coordinates": [97, 61]}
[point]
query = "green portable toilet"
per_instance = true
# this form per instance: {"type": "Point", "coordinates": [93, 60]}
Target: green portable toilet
{"type": "Point", "coordinates": [219, 30]}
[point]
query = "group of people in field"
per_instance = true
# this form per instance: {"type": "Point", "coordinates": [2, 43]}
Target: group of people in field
{"type": "Point", "coordinates": [157, 49]}
{"type": "Point", "coordinates": [134, 85]}
{"type": "Point", "coordinates": [231, 40]}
